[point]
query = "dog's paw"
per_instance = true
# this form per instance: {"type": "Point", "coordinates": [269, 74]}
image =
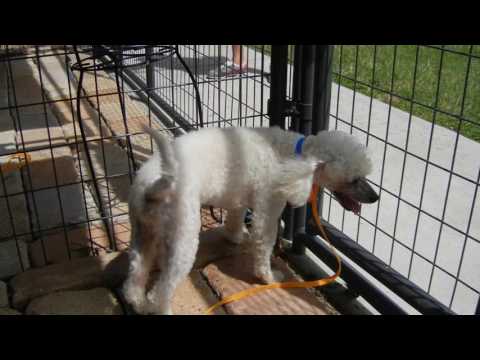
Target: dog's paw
{"type": "Point", "coordinates": [238, 237]}
{"type": "Point", "coordinates": [153, 307]}
{"type": "Point", "coordinates": [135, 296]}
{"type": "Point", "coordinates": [235, 238]}
{"type": "Point", "coordinates": [269, 277]}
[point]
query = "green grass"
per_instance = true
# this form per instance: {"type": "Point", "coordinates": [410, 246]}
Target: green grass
{"type": "Point", "coordinates": [363, 66]}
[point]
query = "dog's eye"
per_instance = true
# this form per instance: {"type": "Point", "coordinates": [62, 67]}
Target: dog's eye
{"type": "Point", "coordinates": [355, 182]}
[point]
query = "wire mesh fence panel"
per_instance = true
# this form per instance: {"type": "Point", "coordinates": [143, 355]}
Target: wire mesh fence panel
{"type": "Point", "coordinates": [416, 109]}
{"type": "Point", "coordinates": [71, 122]}
{"type": "Point", "coordinates": [64, 187]}
{"type": "Point", "coordinates": [236, 100]}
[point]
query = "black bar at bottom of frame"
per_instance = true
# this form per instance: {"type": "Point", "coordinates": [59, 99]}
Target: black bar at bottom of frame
{"type": "Point", "coordinates": [355, 281]}
{"type": "Point", "coordinates": [400, 285]}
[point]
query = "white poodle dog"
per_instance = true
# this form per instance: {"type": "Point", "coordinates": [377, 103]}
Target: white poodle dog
{"type": "Point", "coordinates": [235, 169]}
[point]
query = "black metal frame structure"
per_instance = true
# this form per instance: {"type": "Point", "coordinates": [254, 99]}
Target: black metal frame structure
{"type": "Point", "coordinates": [174, 84]}
{"type": "Point", "coordinates": [309, 112]}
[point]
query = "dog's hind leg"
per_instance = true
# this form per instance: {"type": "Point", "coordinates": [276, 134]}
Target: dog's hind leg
{"type": "Point", "coordinates": [235, 230]}
{"type": "Point", "coordinates": [177, 262]}
{"type": "Point", "coordinates": [264, 235]}
{"type": "Point", "coordinates": [142, 254]}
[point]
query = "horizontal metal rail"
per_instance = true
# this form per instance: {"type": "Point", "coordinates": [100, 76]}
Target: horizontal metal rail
{"type": "Point", "coordinates": [400, 285]}
{"type": "Point", "coordinates": [355, 281]}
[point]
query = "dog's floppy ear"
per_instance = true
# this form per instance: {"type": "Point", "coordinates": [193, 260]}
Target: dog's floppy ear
{"type": "Point", "coordinates": [319, 172]}
{"type": "Point", "coordinates": [320, 167]}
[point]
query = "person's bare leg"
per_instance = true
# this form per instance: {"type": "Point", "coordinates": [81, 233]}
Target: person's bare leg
{"type": "Point", "coordinates": [238, 58]}
{"type": "Point", "coordinates": [236, 66]}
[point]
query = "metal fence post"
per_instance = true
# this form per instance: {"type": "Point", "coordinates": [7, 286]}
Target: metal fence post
{"type": "Point", "coordinates": [303, 98]}
{"type": "Point", "coordinates": [322, 96]}
{"type": "Point", "coordinates": [323, 87]}
{"type": "Point", "coordinates": [150, 73]}
{"type": "Point", "coordinates": [312, 90]}
{"type": "Point", "coordinates": [278, 85]}
{"type": "Point", "coordinates": [294, 126]}
{"type": "Point", "coordinates": [276, 108]}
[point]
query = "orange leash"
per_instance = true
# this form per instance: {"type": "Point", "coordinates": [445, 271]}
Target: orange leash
{"type": "Point", "coordinates": [11, 165]}
{"type": "Point", "coordinates": [292, 284]}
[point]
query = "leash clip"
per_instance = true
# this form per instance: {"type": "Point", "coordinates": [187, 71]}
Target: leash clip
{"type": "Point", "coordinates": [11, 165]}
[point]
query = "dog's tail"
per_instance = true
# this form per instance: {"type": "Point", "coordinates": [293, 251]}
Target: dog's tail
{"type": "Point", "coordinates": [165, 149]}
{"type": "Point", "coordinates": [162, 188]}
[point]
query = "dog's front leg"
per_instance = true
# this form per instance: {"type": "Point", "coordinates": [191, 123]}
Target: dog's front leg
{"type": "Point", "coordinates": [235, 230]}
{"type": "Point", "coordinates": [264, 235]}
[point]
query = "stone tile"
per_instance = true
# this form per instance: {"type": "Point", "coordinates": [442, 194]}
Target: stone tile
{"type": "Point", "coordinates": [36, 119]}
{"type": "Point", "coordinates": [54, 77]}
{"type": "Point", "coordinates": [111, 160]}
{"type": "Point", "coordinates": [105, 96]}
{"type": "Point", "coordinates": [213, 246]}
{"type": "Point", "coordinates": [34, 133]}
{"type": "Point", "coordinates": [58, 207]}
{"type": "Point", "coordinates": [44, 165]}
{"type": "Point", "coordinates": [9, 311]}
{"type": "Point", "coordinates": [27, 88]}
{"type": "Point", "coordinates": [12, 181]}
{"type": "Point", "coordinates": [99, 301]}
{"type": "Point", "coordinates": [7, 133]}
{"type": "Point", "coordinates": [56, 248]}
{"type": "Point", "coordinates": [3, 95]}
{"type": "Point", "coordinates": [3, 80]}
{"type": "Point", "coordinates": [98, 83]}
{"type": "Point", "coordinates": [3, 295]}
{"type": "Point", "coordinates": [98, 237]}
{"type": "Point", "coordinates": [7, 142]}
{"type": "Point", "coordinates": [22, 67]}
{"type": "Point", "coordinates": [108, 270]}
{"type": "Point", "coordinates": [122, 231]}
{"type": "Point", "coordinates": [16, 219]}
{"type": "Point", "coordinates": [233, 274]}
{"type": "Point", "coordinates": [115, 161]}
{"type": "Point", "coordinates": [194, 296]}
{"type": "Point", "coordinates": [63, 111]}
{"type": "Point", "coordinates": [134, 123]}
{"type": "Point", "coordinates": [208, 222]}
{"type": "Point", "coordinates": [100, 240]}
{"type": "Point", "coordinates": [10, 263]}
{"type": "Point", "coordinates": [94, 126]}
{"type": "Point", "coordinates": [92, 131]}
{"type": "Point", "coordinates": [113, 114]}
{"type": "Point", "coordinates": [39, 138]}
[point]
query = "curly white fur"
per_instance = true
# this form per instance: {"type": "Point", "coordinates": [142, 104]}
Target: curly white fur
{"type": "Point", "coordinates": [231, 168]}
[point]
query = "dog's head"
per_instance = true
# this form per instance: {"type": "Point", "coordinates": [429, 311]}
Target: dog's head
{"type": "Point", "coordinates": [343, 165]}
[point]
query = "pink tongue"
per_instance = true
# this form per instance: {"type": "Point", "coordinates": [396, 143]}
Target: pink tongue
{"type": "Point", "coordinates": [348, 203]}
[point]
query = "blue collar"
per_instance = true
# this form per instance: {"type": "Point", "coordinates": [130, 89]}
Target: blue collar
{"type": "Point", "coordinates": [299, 146]}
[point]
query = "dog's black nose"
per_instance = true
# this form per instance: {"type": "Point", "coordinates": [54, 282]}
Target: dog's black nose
{"type": "Point", "coordinates": [373, 198]}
